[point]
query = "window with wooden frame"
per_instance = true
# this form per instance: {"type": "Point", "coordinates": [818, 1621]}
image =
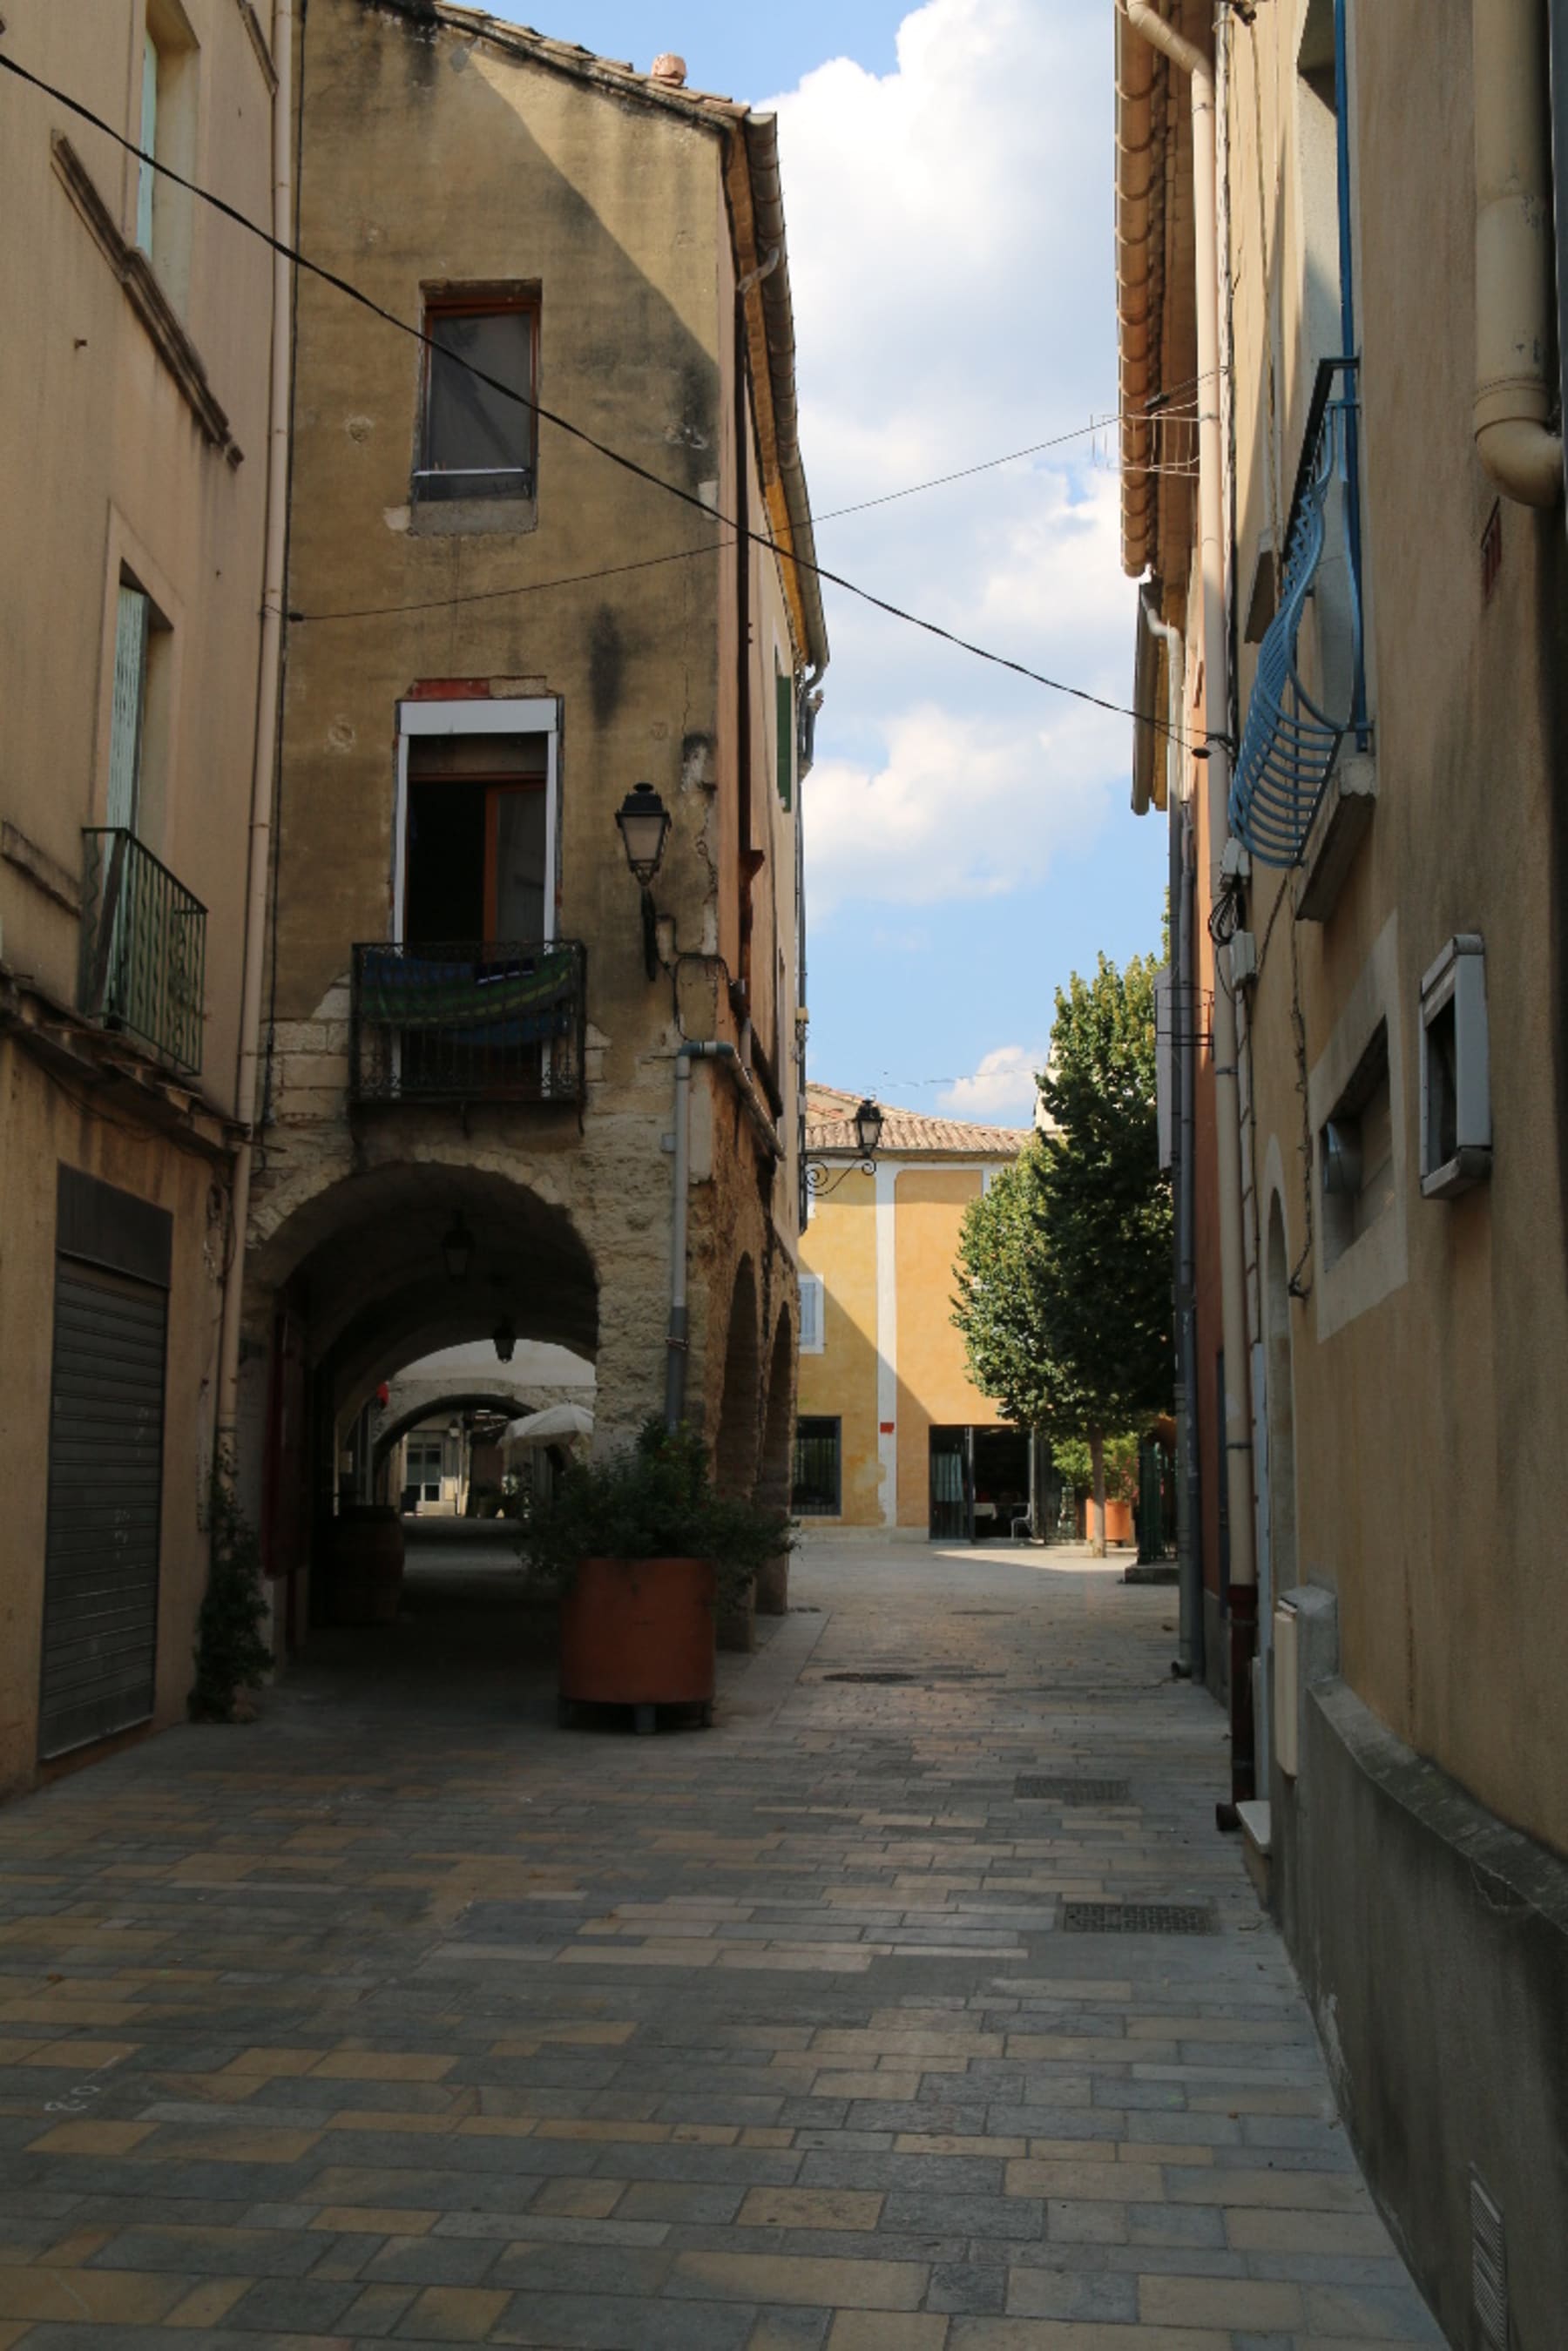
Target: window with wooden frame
{"type": "Point", "coordinates": [476, 429]}
{"type": "Point", "coordinates": [477, 845]}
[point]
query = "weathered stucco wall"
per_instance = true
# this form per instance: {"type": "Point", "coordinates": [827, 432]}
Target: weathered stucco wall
{"type": "Point", "coordinates": [1430, 1500]}
{"type": "Point", "coordinates": [434, 159]}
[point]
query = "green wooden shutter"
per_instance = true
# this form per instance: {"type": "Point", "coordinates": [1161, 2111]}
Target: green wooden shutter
{"type": "Point", "coordinates": [149, 143]}
{"type": "Point", "coordinates": [784, 693]}
{"type": "Point", "coordinates": [125, 725]}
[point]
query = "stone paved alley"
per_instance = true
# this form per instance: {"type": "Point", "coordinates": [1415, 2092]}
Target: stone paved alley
{"type": "Point", "coordinates": [404, 2014]}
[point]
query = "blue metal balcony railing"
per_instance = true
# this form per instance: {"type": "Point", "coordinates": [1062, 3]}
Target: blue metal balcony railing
{"type": "Point", "coordinates": [467, 1020]}
{"type": "Point", "coordinates": [1289, 741]}
{"type": "Point", "coordinates": [144, 947]}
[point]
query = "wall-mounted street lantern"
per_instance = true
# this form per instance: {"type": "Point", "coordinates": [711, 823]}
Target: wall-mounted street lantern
{"type": "Point", "coordinates": [457, 1249]}
{"type": "Point", "coordinates": [644, 823]}
{"type": "Point", "coordinates": [506, 1338]}
{"type": "Point", "coordinates": [868, 1120]}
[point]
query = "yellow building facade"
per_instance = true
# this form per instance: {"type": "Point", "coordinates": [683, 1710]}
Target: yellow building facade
{"type": "Point", "coordinates": [892, 1432]}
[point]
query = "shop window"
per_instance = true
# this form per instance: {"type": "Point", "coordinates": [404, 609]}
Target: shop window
{"type": "Point", "coordinates": [819, 1469]}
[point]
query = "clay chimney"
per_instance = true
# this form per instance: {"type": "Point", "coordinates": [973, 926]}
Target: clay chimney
{"type": "Point", "coordinates": [671, 70]}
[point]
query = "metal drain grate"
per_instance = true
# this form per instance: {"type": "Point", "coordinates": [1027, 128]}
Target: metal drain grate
{"type": "Point", "coordinates": [1046, 1790]}
{"type": "Point", "coordinates": [885, 1674]}
{"type": "Point", "coordinates": [1137, 1918]}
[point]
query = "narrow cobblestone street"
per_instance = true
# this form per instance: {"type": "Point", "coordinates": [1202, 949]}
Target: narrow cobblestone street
{"type": "Point", "coordinates": [404, 2014]}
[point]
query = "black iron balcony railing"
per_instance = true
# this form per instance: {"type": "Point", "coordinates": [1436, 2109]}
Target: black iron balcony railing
{"type": "Point", "coordinates": [144, 947]}
{"type": "Point", "coordinates": [1292, 736]}
{"type": "Point", "coordinates": [467, 1020]}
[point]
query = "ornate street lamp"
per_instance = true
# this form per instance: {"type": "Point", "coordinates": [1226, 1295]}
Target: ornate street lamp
{"type": "Point", "coordinates": [506, 1339]}
{"type": "Point", "coordinates": [868, 1122]}
{"type": "Point", "coordinates": [457, 1249]}
{"type": "Point", "coordinates": [644, 823]}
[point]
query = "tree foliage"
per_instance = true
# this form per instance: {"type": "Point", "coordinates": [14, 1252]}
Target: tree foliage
{"type": "Point", "coordinates": [1064, 1264]}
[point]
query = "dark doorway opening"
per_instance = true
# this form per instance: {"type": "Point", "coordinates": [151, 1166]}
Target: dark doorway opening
{"type": "Point", "coordinates": [979, 1482]}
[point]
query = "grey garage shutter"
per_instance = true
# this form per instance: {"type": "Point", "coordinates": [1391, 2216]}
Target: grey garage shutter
{"type": "Point", "coordinates": [106, 1467]}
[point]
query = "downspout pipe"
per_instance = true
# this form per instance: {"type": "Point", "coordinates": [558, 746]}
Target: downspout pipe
{"type": "Point", "coordinates": [269, 693]}
{"type": "Point", "coordinates": [1188, 58]}
{"type": "Point", "coordinates": [1515, 439]}
{"type": "Point", "coordinates": [1190, 1648]}
{"type": "Point", "coordinates": [677, 1342]}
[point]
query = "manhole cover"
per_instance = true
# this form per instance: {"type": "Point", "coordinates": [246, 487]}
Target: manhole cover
{"type": "Point", "coordinates": [1137, 1918]}
{"type": "Point", "coordinates": [883, 1674]}
{"type": "Point", "coordinates": [1072, 1792]}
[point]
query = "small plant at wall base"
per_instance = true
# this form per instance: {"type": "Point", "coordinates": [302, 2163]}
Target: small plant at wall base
{"type": "Point", "coordinates": [655, 1500]}
{"type": "Point", "coordinates": [231, 1654]}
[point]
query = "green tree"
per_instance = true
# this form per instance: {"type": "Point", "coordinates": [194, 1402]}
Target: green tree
{"type": "Point", "coordinates": [1064, 1265]}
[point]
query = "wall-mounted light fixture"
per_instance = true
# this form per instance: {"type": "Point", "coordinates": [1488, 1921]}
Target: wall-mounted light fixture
{"type": "Point", "coordinates": [457, 1249]}
{"type": "Point", "coordinates": [506, 1339]}
{"type": "Point", "coordinates": [644, 823]}
{"type": "Point", "coordinates": [868, 1123]}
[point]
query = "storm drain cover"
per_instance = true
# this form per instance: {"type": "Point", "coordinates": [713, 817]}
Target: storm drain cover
{"type": "Point", "coordinates": [882, 1674]}
{"type": "Point", "coordinates": [1072, 1792]}
{"type": "Point", "coordinates": [1137, 1918]}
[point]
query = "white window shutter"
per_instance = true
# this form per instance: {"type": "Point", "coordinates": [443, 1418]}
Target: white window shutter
{"type": "Point", "coordinates": [125, 725]}
{"type": "Point", "coordinates": [811, 1313]}
{"type": "Point", "coordinates": [149, 143]}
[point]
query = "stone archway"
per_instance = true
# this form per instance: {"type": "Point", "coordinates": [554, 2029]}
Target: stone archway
{"type": "Point", "coordinates": [774, 1476]}
{"type": "Point", "coordinates": [735, 1445]}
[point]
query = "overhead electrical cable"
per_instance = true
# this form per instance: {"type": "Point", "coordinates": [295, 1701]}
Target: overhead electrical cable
{"type": "Point", "coordinates": [577, 431]}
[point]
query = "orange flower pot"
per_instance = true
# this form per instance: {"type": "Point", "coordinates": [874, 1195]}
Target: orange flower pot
{"type": "Point", "coordinates": [640, 1633]}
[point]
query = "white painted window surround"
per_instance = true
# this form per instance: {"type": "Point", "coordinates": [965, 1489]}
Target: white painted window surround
{"type": "Point", "coordinates": [536, 716]}
{"type": "Point", "coordinates": [811, 1305]}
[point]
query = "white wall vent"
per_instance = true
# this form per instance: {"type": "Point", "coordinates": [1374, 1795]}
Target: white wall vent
{"type": "Point", "coordinates": [1488, 2269]}
{"type": "Point", "coordinates": [1456, 1087]}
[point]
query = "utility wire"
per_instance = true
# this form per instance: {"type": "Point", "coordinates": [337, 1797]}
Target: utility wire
{"type": "Point", "coordinates": [576, 431]}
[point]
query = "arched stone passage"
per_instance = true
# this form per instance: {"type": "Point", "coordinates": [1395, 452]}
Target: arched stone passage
{"type": "Point", "coordinates": [735, 1446]}
{"type": "Point", "coordinates": [774, 1476]}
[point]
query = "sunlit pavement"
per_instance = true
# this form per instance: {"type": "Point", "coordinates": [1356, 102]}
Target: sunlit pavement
{"type": "Point", "coordinates": [403, 2014]}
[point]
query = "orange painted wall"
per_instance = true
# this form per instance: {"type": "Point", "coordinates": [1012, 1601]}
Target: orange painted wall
{"type": "Point", "coordinates": [933, 1384]}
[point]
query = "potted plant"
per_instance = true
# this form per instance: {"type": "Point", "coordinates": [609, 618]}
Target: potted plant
{"type": "Point", "coordinates": [644, 1554]}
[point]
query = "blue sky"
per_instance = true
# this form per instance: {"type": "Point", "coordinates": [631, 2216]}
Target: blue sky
{"type": "Point", "coordinates": [947, 187]}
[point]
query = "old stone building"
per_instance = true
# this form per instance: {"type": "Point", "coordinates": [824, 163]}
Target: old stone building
{"type": "Point", "coordinates": [510, 1088]}
{"type": "Point", "coordinates": [1343, 460]}
{"type": "Point", "coordinates": [136, 405]}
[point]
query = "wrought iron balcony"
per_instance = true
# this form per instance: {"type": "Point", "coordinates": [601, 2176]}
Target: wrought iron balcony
{"type": "Point", "coordinates": [1293, 735]}
{"type": "Point", "coordinates": [467, 1020]}
{"type": "Point", "coordinates": [144, 947]}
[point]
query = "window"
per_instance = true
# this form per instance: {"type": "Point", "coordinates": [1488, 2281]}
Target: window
{"type": "Point", "coordinates": [167, 136]}
{"type": "Point", "coordinates": [476, 839]}
{"type": "Point", "coordinates": [811, 1339]}
{"type": "Point", "coordinates": [1357, 1152]}
{"type": "Point", "coordinates": [1456, 1106]}
{"type": "Point", "coordinates": [129, 711]}
{"type": "Point", "coordinates": [422, 1474]}
{"type": "Point", "coordinates": [784, 712]}
{"type": "Point", "coordinates": [818, 1469]}
{"type": "Point", "coordinates": [476, 437]}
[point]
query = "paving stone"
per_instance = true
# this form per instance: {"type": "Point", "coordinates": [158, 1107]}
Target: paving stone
{"type": "Point", "coordinates": [410, 2018]}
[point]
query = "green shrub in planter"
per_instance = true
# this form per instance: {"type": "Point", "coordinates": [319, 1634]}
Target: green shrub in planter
{"type": "Point", "coordinates": [655, 1500]}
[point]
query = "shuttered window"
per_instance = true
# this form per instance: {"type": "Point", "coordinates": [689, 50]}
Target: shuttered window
{"type": "Point", "coordinates": [784, 702]}
{"type": "Point", "coordinates": [811, 1313]}
{"type": "Point", "coordinates": [147, 177]}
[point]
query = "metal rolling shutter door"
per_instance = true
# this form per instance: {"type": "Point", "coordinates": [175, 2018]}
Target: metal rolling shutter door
{"type": "Point", "coordinates": [106, 1477]}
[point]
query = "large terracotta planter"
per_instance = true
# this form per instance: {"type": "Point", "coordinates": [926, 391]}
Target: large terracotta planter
{"type": "Point", "coordinates": [365, 1580]}
{"type": "Point", "coordinates": [639, 1632]}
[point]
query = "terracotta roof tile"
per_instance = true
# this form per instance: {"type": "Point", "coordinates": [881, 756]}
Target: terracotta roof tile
{"type": "Point", "coordinates": [830, 1126]}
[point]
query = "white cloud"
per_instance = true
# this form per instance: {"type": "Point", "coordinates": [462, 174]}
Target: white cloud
{"type": "Point", "coordinates": [950, 259]}
{"type": "Point", "coordinates": [1002, 1088]}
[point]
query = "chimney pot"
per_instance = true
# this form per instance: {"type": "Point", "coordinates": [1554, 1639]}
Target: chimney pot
{"type": "Point", "coordinates": [670, 69]}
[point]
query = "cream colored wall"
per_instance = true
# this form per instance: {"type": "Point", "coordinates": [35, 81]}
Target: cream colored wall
{"type": "Point", "coordinates": [933, 1387]}
{"type": "Point", "coordinates": [1430, 1489]}
{"type": "Point", "coordinates": [840, 1244]}
{"type": "Point", "coordinates": [102, 463]}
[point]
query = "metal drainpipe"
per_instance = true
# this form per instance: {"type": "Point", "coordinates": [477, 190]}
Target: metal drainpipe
{"type": "Point", "coordinates": [267, 716]}
{"type": "Point", "coordinates": [1515, 440]}
{"type": "Point", "coordinates": [1190, 1648]}
{"type": "Point", "coordinates": [1144, 18]}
